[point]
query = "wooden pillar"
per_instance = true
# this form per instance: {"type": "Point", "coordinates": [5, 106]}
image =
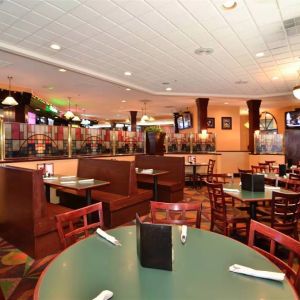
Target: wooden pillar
{"type": "Point", "coordinates": [2, 139]}
{"type": "Point", "coordinates": [202, 104]}
{"type": "Point", "coordinates": [133, 120]}
{"type": "Point", "coordinates": [69, 140]}
{"type": "Point", "coordinates": [176, 129]}
{"type": "Point", "coordinates": [253, 107]}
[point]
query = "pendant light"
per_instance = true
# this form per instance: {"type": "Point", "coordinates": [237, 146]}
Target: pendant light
{"type": "Point", "coordinates": [296, 89]}
{"type": "Point", "coordinates": [69, 115]}
{"type": "Point", "coordinates": [9, 100]}
{"type": "Point", "coordinates": [76, 118]}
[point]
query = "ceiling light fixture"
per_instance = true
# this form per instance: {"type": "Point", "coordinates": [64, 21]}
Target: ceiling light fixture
{"type": "Point", "coordinates": [123, 101]}
{"type": "Point", "coordinates": [55, 47]}
{"type": "Point", "coordinates": [145, 118]}
{"type": "Point", "coordinates": [127, 73]}
{"type": "Point", "coordinates": [225, 102]}
{"type": "Point", "coordinates": [168, 89]}
{"type": "Point", "coordinates": [203, 50]}
{"type": "Point", "coordinates": [62, 70]}
{"type": "Point", "coordinates": [128, 89]}
{"type": "Point", "coordinates": [229, 4]}
{"type": "Point", "coordinates": [69, 115]}
{"type": "Point", "coordinates": [296, 89]}
{"type": "Point", "coordinates": [76, 118]}
{"type": "Point", "coordinates": [260, 54]}
{"type": "Point", "coordinates": [9, 100]}
{"type": "Point", "coordinates": [275, 78]}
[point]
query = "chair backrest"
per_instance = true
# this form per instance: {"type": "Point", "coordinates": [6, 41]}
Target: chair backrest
{"type": "Point", "coordinates": [73, 226]}
{"type": "Point", "coordinates": [284, 212]}
{"type": "Point", "coordinates": [275, 237]}
{"type": "Point", "coordinates": [176, 213]}
{"type": "Point", "coordinates": [210, 170]}
{"type": "Point", "coordinates": [294, 176]}
{"type": "Point", "coordinates": [244, 171]}
{"type": "Point", "coordinates": [265, 166]}
{"type": "Point", "coordinates": [217, 200]}
{"type": "Point", "coordinates": [222, 178]}
{"type": "Point", "coordinates": [260, 169]}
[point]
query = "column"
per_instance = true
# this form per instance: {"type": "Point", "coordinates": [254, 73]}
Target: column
{"type": "Point", "coordinates": [176, 115]}
{"type": "Point", "coordinates": [2, 139]}
{"type": "Point", "coordinates": [133, 120]}
{"type": "Point", "coordinates": [253, 107]}
{"type": "Point", "coordinates": [69, 141]}
{"type": "Point", "coordinates": [202, 104]}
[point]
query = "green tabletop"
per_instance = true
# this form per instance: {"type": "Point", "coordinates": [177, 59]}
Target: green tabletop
{"type": "Point", "coordinates": [200, 271]}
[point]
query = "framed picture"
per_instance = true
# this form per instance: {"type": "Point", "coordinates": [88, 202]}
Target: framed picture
{"type": "Point", "coordinates": [210, 122]}
{"type": "Point", "coordinates": [226, 123]}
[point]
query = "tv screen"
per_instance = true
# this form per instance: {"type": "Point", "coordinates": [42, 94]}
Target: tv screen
{"type": "Point", "coordinates": [292, 119]}
{"type": "Point", "coordinates": [187, 120]}
{"type": "Point", "coordinates": [180, 122]}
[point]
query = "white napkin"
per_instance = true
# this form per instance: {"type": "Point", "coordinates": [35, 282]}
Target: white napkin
{"type": "Point", "coordinates": [183, 234]}
{"type": "Point", "coordinates": [69, 182]}
{"type": "Point", "coordinates": [51, 178]}
{"type": "Point", "coordinates": [104, 295]}
{"type": "Point", "coordinates": [67, 177]}
{"type": "Point", "coordinates": [231, 190]}
{"type": "Point", "coordinates": [108, 237]}
{"type": "Point", "coordinates": [270, 187]}
{"type": "Point", "coordinates": [147, 171]}
{"type": "Point", "coordinates": [86, 181]}
{"type": "Point", "coordinates": [257, 273]}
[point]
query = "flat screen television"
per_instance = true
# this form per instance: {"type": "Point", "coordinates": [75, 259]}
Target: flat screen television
{"type": "Point", "coordinates": [187, 120]}
{"type": "Point", "coordinates": [292, 119]}
{"type": "Point", "coordinates": [180, 122]}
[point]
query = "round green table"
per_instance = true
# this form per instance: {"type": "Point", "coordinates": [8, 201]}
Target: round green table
{"type": "Point", "coordinates": [200, 271]}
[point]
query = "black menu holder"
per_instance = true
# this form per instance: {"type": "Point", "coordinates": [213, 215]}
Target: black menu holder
{"type": "Point", "coordinates": [154, 245]}
{"type": "Point", "coordinates": [253, 182]}
{"type": "Point", "coordinates": [282, 170]}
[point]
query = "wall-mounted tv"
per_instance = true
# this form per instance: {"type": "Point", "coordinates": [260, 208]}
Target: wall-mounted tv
{"type": "Point", "coordinates": [185, 120]}
{"type": "Point", "coordinates": [292, 119]}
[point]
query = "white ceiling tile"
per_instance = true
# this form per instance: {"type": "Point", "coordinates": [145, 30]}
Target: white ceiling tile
{"type": "Point", "coordinates": [119, 16]}
{"type": "Point", "coordinates": [5, 37]}
{"type": "Point", "coordinates": [70, 21]}
{"type": "Point", "coordinates": [26, 26]}
{"type": "Point", "coordinates": [84, 13]}
{"type": "Point", "coordinates": [48, 10]}
{"type": "Point", "coordinates": [135, 7]}
{"type": "Point", "coordinates": [64, 5]}
{"type": "Point", "coordinates": [103, 7]}
{"type": "Point", "coordinates": [36, 19]}
{"type": "Point", "coordinates": [14, 8]}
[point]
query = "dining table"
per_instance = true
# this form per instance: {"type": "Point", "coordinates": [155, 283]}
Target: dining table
{"type": "Point", "coordinates": [200, 270]}
{"type": "Point", "coordinates": [154, 173]}
{"type": "Point", "coordinates": [235, 191]}
{"type": "Point", "coordinates": [194, 170]}
{"type": "Point", "coordinates": [73, 183]}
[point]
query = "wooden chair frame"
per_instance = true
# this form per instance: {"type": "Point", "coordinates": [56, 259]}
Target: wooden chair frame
{"type": "Point", "coordinates": [66, 223]}
{"type": "Point", "coordinates": [276, 238]}
{"type": "Point", "coordinates": [180, 209]}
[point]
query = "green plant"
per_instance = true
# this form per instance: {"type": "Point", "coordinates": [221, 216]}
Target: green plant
{"type": "Point", "coordinates": [155, 129]}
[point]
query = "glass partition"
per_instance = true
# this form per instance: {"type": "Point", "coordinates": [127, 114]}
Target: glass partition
{"type": "Point", "coordinates": [268, 143]}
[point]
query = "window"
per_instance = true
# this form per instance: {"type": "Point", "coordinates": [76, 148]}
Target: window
{"type": "Point", "coordinates": [267, 123]}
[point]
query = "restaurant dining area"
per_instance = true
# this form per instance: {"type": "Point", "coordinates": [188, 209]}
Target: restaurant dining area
{"type": "Point", "coordinates": [149, 149]}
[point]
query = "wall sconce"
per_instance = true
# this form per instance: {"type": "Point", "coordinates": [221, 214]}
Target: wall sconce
{"type": "Point", "coordinates": [203, 134]}
{"type": "Point", "coordinates": [256, 132]}
{"type": "Point", "coordinates": [246, 125]}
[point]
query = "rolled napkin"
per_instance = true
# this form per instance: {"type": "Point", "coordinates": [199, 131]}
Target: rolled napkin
{"type": "Point", "coordinates": [147, 171]}
{"type": "Point", "coordinates": [108, 237]}
{"type": "Point", "coordinates": [86, 180]}
{"type": "Point", "coordinates": [231, 190]}
{"type": "Point", "coordinates": [183, 234]}
{"type": "Point", "coordinates": [67, 177]}
{"type": "Point", "coordinates": [69, 182]}
{"type": "Point", "coordinates": [270, 187]}
{"type": "Point", "coordinates": [257, 273]}
{"type": "Point", "coordinates": [104, 295]}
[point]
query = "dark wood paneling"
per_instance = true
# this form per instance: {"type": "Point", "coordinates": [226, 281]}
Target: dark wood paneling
{"type": "Point", "coordinates": [202, 104]}
{"type": "Point", "coordinates": [292, 145]}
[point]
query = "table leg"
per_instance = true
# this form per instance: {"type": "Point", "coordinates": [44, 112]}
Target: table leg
{"type": "Point", "coordinates": [155, 192]}
{"type": "Point", "coordinates": [88, 195]}
{"type": "Point", "coordinates": [194, 177]}
{"type": "Point", "coordinates": [253, 210]}
{"type": "Point", "coordinates": [47, 192]}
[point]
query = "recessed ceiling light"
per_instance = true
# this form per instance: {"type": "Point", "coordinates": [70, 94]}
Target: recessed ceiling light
{"type": "Point", "coordinates": [260, 54]}
{"type": "Point", "coordinates": [128, 89]}
{"type": "Point", "coordinates": [165, 83]}
{"type": "Point", "coordinates": [123, 101]}
{"type": "Point", "coordinates": [229, 4]}
{"type": "Point", "coordinates": [127, 73]}
{"type": "Point", "coordinates": [62, 70]}
{"type": "Point", "coordinates": [55, 46]}
{"type": "Point", "coordinates": [225, 102]}
{"type": "Point", "coordinates": [168, 89]}
{"type": "Point", "coordinates": [275, 78]}
{"type": "Point", "coordinates": [37, 109]}
{"type": "Point", "coordinates": [50, 88]}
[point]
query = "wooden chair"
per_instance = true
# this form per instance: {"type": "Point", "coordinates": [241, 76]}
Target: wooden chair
{"type": "Point", "coordinates": [244, 171]}
{"type": "Point", "coordinates": [222, 178]}
{"type": "Point", "coordinates": [277, 238]}
{"type": "Point", "coordinates": [224, 215]}
{"type": "Point", "coordinates": [265, 166]}
{"type": "Point", "coordinates": [294, 176]}
{"type": "Point", "coordinates": [176, 213]}
{"type": "Point", "coordinates": [70, 227]}
{"type": "Point", "coordinates": [260, 169]}
{"type": "Point", "coordinates": [208, 175]}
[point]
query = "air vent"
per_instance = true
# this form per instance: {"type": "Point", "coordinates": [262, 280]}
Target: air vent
{"type": "Point", "coordinates": [292, 26]}
{"type": "Point", "coordinates": [241, 82]}
{"type": "Point", "coordinates": [202, 50]}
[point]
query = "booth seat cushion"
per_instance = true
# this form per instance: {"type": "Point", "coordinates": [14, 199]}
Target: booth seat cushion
{"type": "Point", "coordinates": [117, 201]}
{"type": "Point", "coordinates": [48, 223]}
{"type": "Point", "coordinates": [168, 185]}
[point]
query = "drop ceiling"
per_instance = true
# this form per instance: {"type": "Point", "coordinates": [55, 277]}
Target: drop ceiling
{"type": "Point", "coordinates": [156, 41]}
